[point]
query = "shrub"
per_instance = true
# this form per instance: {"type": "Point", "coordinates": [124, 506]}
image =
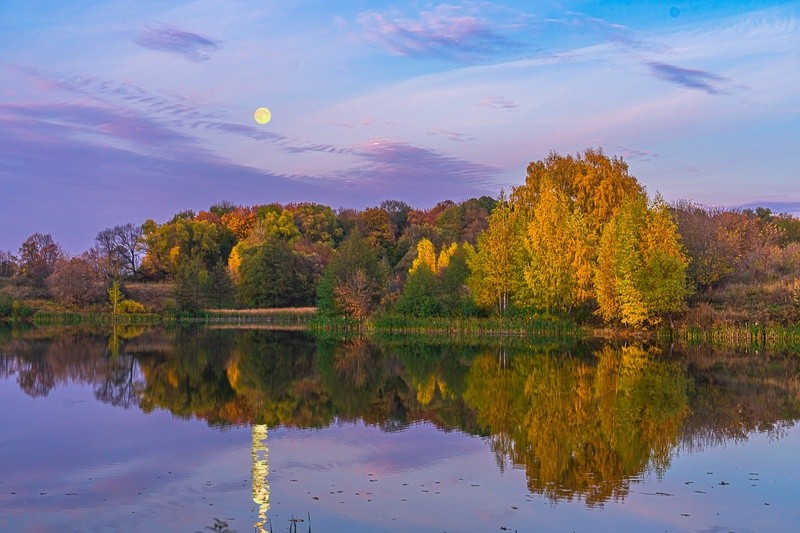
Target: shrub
{"type": "Point", "coordinates": [130, 307]}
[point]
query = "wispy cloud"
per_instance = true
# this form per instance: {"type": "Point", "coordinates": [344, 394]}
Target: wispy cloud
{"type": "Point", "coordinates": [605, 30]}
{"type": "Point", "coordinates": [191, 46]}
{"type": "Point", "coordinates": [451, 135]}
{"type": "Point", "coordinates": [688, 77]}
{"type": "Point", "coordinates": [498, 102]}
{"type": "Point", "coordinates": [444, 32]}
{"type": "Point", "coordinates": [82, 119]}
{"type": "Point", "coordinates": [632, 153]}
{"type": "Point", "coordinates": [399, 169]}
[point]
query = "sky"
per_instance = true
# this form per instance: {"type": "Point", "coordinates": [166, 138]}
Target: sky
{"type": "Point", "coordinates": [122, 111]}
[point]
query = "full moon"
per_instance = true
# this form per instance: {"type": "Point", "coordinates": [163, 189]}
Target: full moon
{"type": "Point", "coordinates": [262, 115]}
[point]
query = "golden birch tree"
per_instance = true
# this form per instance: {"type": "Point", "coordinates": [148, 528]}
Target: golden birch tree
{"type": "Point", "coordinates": [641, 271]}
{"type": "Point", "coordinates": [558, 273]}
{"type": "Point", "coordinates": [426, 255]}
{"type": "Point", "coordinates": [495, 269]}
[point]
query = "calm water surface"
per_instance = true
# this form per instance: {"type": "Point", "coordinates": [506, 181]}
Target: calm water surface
{"type": "Point", "coordinates": [153, 430]}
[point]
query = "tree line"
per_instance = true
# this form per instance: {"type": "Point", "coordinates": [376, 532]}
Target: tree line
{"type": "Point", "coordinates": [580, 238]}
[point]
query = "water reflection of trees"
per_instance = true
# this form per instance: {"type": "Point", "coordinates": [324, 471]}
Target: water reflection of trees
{"type": "Point", "coordinates": [736, 393]}
{"type": "Point", "coordinates": [44, 359]}
{"type": "Point", "coordinates": [582, 423]}
{"type": "Point", "coordinates": [581, 426]}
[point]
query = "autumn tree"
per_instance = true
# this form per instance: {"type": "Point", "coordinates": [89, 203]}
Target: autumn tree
{"type": "Point", "coordinates": [592, 183]}
{"type": "Point", "coordinates": [76, 281]}
{"type": "Point", "coordinates": [239, 220]}
{"type": "Point", "coordinates": [641, 272]}
{"type": "Point", "coordinates": [115, 296]}
{"type": "Point", "coordinates": [557, 268]}
{"type": "Point", "coordinates": [426, 255]}
{"type": "Point", "coordinates": [496, 272]}
{"type": "Point", "coordinates": [563, 208]}
{"type": "Point", "coordinates": [183, 239]}
{"type": "Point", "coordinates": [581, 430]}
{"type": "Point", "coordinates": [727, 247]}
{"type": "Point", "coordinates": [37, 257]}
{"type": "Point", "coordinates": [316, 223]}
{"type": "Point", "coordinates": [712, 258]}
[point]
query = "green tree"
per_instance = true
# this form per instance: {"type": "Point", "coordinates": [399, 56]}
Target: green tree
{"type": "Point", "coordinates": [182, 240]}
{"type": "Point", "coordinates": [190, 279]}
{"type": "Point", "coordinates": [455, 297]}
{"type": "Point", "coordinates": [353, 281]}
{"type": "Point", "coordinates": [316, 223]}
{"type": "Point", "coordinates": [436, 286]}
{"type": "Point", "coordinates": [218, 289]}
{"type": "Point", "coordinates": [376, 227]}
{"type": "Point", "coordinates": [274, 226]}
{"type": "Point", "coordinates": [420, 296]}
{"type": "Point", "coordinates": [115, 296]}
{"type": "Point", "coordinates": [272, 275]}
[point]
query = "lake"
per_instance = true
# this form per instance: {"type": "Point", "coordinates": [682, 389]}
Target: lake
{"type": "Point", "coordinates": [239, 430]}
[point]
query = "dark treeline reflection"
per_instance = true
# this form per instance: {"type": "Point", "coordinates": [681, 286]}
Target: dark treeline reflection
{"type": "Point", "coordinates": [582, 421]}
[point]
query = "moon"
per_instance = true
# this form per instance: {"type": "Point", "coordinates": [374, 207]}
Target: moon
{"type": "Point", "coordinates": [262, 115]}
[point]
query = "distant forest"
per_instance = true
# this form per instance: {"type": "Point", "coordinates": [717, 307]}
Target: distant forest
{"type": "Point", "coordinates": [580, 239]}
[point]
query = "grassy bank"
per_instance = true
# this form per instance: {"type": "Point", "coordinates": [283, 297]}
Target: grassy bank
{"type": "Point", "coordinates": [453, 326]}
{"type": "Point", "coordinates": [755, 336]}
{"type": "Point", "coordinates": [289, 316]}
{"type": "Point", "coordinates": [52, 318]}
{"type": "Point", "coordinates": [764, 336]}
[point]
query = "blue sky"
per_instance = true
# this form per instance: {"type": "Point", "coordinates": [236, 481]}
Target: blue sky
{"type": "Point", "coordinates": [115, 112]}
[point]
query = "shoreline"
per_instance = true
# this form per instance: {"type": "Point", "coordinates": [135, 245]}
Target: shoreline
{"type": "Point", "coordinates": [757, 335]}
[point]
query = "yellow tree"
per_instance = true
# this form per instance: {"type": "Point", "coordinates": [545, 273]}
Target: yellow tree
{"type": "Point", "coordinates": [445, 255]}
{"type": "Point", "coordinates": [663, 279]}
{"type": "Point", "coordinates": [641, 271]}
{"type": "Point", "coordinates": [426, 255]}
{"type": "Point", "coordinates": [495, 273]}
{"type": "Point", "coordinates": [558, 272]}
{"type": "Point", "coordinates": [564, 204]}
{"type": "Point", "coordinates": [594, 184]}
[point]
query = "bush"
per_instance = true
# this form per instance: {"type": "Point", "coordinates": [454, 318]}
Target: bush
{"type": "Point", "coordinates": [6, 306]}
{"type": "Point", "coordinates": [131, 307]}
{"type": "Point", "coordinates": [76, 281]}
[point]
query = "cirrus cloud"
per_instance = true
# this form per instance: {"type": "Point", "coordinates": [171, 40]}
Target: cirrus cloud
{"type": "Point", "coordinates": [191, 46]}
{"type": "Point", "coordinates": [689, 77]}
{"type": "Point", "coordinates": [444, 32]}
